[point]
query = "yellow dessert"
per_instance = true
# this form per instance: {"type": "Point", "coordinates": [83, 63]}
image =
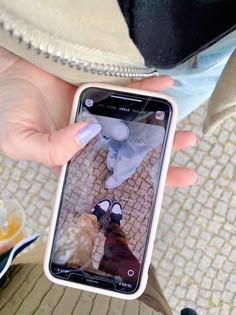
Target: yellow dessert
{"type": "Point", "coordinates": [14, 225]}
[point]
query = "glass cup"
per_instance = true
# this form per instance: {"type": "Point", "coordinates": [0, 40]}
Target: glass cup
{"type": "Point", "coordinates": [12, 221]}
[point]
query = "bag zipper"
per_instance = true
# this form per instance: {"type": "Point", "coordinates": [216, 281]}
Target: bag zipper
{"type": "Point", "coordinates": [29, 36]}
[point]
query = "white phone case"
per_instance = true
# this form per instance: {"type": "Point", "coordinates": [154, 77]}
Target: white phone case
{"type": "Point", "coordinates": [163, 174]}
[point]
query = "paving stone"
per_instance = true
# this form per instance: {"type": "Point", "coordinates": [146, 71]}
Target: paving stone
{"type": "Point", "coordinates": [192, 292]}
{"type": "Point", "coordinates": [206, 293]}
{"type": "Point", "coordinates": [211, 272]}
{"type": "Point", "coordinates": [201, 301]}
{"type": "Point", "coordinates": [218, 261]}
{"type": "Point", "coordinates": [12, 187]}
{"type": "Point", "coordinates": [31, 174]}
{"type": "Point", "coordinates": [232, 256]}
{"type": "Point", "coordinates": [226, 249]}
{"type": "Point", "coordinates": [190, 268]}
{"type": "Point", "coordinates": [180, 292]}
{"type": "Point", "coordinates": [206, 283]}
{"type": "Point", "coordinates": [197, 278]}
{"type": "Point", "coordinates": [214, 310]}
{"type": "Point", "coordinates": [227, 297]}
{"type": "Point", "coordinates": [221, 280]}
{"type": "Point", "coordinates": [225, 235]}
{"type": "Point", "coordinates": [231, 215]}
{"type": "Point", "coordinates": [205, 263]}
{"type": "Point", "coordinates": [173, 301]}
{"type": "Point", "coordinates": [229, 267]}
{"type": "Point", "coordinates": [168, 265]}
{"type": "Point", "coordinates": [170, 253]}
{"type": "Point", "coordinates": [206, 236]}
{"type": "Point", "coordinates": [188, 253]}
{"type": "Point", "coordinates": [230, 286]}
{"type": "Point", "coordinates": [216, 242]}
{"type": "Point", "coordinates": [190, 242]}
{"type": "Point", "coordinates": [214, 227]}
{"type": "Point", "coordinates": [23, 165]}
{"type": "Point", "coordinates": [225, 309]}
{"type": "Point", "coordinates": [233, 311]}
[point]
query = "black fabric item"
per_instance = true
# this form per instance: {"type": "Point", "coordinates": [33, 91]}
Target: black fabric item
{"type": "Point", "coordinates": [98, 212]}
{"type": "Point", "coordinates": [115, 218]}
{"type": "Point", "coordinates": [168, 32]}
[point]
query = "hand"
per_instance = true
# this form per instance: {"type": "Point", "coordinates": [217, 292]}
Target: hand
{"type": "Point", "coordinates": [34, 115]}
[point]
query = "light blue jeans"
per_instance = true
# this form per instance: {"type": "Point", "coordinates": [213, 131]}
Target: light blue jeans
{"type": "Point", "coordinates": [129, 153]}
{"type": "Point", "coordinates": [196, 78]}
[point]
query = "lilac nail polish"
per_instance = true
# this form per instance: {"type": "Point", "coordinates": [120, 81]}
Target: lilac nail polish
{"type": "Point", "coordinates": [87, 133]}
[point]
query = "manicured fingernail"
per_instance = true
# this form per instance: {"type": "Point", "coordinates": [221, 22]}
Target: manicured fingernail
{"type": "Point", "coordinates": [87, 133]}
{"type": "Point", "coordinates": [197, 142]}
{"type": "Point", "coordinates": [197, 181]}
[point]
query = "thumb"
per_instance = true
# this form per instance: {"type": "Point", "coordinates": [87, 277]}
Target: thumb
{"type": "Point", "coordinates": [57, 148]}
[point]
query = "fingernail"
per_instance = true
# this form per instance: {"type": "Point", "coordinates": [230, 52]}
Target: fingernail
{"type": "Point", "coordinates": [87, 133]}
{"type": "Point", "coordinates": [197, 142]}
{"type": "Point", "coordinates": [173, 82]}
{"type": "Point", "coordinates": [197, 181]}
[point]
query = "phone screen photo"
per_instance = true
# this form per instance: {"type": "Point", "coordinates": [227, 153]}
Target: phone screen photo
{"type": "Point", "coordinates": [109, 191]}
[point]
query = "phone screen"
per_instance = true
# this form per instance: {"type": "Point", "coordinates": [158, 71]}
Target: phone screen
{"type": "Point", "coordinates": [109, 191]}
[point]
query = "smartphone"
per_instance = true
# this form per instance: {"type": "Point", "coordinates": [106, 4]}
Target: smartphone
{"type": "Point", "coordinates": [109, 194]}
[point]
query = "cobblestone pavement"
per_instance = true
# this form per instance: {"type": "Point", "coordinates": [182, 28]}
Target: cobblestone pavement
{"type": "Point", "coordinates": [195, 250]}
{"type": "Point", "coordinates": [86, 177]}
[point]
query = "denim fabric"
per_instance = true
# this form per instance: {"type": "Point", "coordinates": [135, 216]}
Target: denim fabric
{"type": "Point", "coordinates": [129, 153]}
{"type": "Point", "coordinates": [196, 78]}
